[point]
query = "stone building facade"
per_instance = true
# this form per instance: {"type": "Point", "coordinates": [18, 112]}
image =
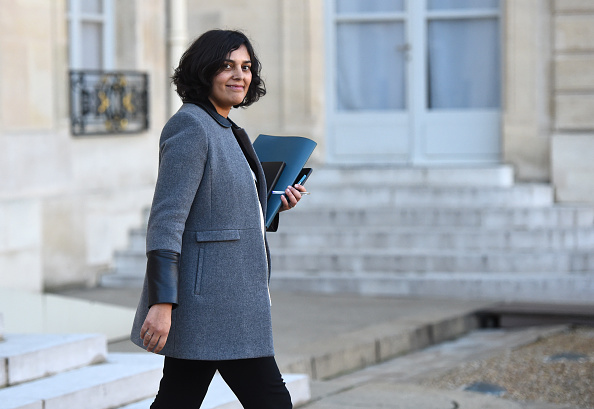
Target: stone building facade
{"type": "Point", "coordinates": [67, 202]}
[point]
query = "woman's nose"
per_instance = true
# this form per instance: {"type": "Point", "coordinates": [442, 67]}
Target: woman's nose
{"type": "Point", "coordinates": [238, 73]}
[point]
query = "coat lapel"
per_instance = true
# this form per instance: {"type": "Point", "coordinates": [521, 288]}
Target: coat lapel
{"type": "Point", "coordinates": [250, 154]}
{"type": "Point", "coordinates": [246, 146]}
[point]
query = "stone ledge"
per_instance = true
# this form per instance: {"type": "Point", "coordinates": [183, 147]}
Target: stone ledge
{"type": "Point", "coordinates": [563, 288]}
{"type": "Point", "coordinates": [573, 6]}
{"type": "Point", "coordinates": [34, 313]}
{"type": "Point", "coordinates": [375, 344]}
{"type": "Point", "coordinates": [32, 356]}
{"type": "Point", "coordinates": [124, 378]}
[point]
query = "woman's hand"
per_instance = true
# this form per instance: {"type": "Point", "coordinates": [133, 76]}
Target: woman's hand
{"type": "Point", "coordinates": [156, 326]}
{"type": "Point", "coordinates": [291, 197]}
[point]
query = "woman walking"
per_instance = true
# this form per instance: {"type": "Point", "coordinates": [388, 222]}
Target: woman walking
{"type": "Point", "coordinates": [205, 304]}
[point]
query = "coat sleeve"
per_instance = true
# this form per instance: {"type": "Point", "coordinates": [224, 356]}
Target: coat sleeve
{"type": "Point", "coordinates": [182, 160]}
{"type": "Point", "coordinates": [162, 272]}
{"type": "Point", "coordinates": [183, 151]}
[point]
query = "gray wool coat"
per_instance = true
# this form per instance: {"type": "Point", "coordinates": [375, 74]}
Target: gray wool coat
{"type": "Point", "coordinates": [206, 207]}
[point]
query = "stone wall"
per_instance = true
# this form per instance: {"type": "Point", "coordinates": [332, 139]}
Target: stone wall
{"type": "Point", "coordinates": [66, 203]}
{"type": "Point", "coordinates": [526, 81]}
{"type": "Point", "coordinates": [573, 95]}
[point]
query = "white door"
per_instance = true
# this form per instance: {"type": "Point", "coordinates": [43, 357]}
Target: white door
{"type": "Point", "coordinates": [413, 81]}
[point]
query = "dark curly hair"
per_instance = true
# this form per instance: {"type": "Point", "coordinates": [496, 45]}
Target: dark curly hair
{"type": "Point", "coordinates": [204, 59]}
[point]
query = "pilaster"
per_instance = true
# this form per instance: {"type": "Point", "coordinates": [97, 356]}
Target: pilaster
{"type": "Point", "coordinates": [527, 53]}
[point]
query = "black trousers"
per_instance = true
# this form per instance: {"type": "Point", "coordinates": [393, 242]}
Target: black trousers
{"type": "Point", "coordinates": [257, 383]}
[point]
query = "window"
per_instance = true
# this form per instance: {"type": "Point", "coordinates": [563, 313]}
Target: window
{"type": "Point", "coordinates": [90, 29]}
{"type": "Point", "coordinates": [464, 56]}
{"type": "Point", "coordinates": [102, 101]}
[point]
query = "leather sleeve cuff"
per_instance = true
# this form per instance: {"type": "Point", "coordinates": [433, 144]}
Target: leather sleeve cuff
{"type": "Point", "coordinates": [274, 225]}
{"type": "Point", "coordinates": [162, 268]}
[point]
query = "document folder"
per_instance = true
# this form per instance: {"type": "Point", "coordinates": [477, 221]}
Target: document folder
{"type": "Point", "coordinates": [294, 151]}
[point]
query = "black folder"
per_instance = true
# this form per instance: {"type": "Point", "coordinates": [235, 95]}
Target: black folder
{"type": "Point", "coordinates": [294, 151]}
{"type": "Point", "coordinates": [272, 172]}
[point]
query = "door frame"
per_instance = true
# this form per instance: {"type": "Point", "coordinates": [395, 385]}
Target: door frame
{"type": "Point", "coordinates": [416, 148]}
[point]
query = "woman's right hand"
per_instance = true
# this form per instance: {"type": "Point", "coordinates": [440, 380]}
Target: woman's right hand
{"type": "Point", "coordinates": [156, 326]}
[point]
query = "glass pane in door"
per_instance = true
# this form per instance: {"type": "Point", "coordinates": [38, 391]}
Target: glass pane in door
{"type": "Point", "coordinates": [370, 66]}
{"type": "Point", "coordinates": [462, 4]}
{"type": "Point", "coordinates": [92, 6]}
{"type": "Point", "coordinates": [92, 40]}
{"type": "Point", "coordinates": [365, 6]}
{"type": "Point", "coordinates": [464, 64]}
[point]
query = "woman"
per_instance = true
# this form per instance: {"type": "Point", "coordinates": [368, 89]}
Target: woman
{"type": "Point", "coordinates": [205, 303]}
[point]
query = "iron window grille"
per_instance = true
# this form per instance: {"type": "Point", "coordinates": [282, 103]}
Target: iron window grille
{"type": "Point", "coordinates": [108, 102]}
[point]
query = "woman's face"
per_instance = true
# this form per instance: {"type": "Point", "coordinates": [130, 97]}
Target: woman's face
{"type": "Point", "coordinates": [230, 86]}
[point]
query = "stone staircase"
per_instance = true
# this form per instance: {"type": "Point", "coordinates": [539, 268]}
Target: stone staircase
{"type": "Point", "coordinates": [53, 371]}
{"type": "Point", "coordinates": [451, 232]}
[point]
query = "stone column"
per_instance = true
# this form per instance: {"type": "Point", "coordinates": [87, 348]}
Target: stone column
{"type": "Point", "coordinates": [526, 119]}
{"type": "Point", "coordinates": [573, 93]}
{"type": "Point", "coordinates": [302, 85]}
{"type": "Point", "coordinates": [177, 41]}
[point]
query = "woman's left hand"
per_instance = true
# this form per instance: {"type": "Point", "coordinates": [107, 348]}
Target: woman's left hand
{"type": "Point", "coordinates": [291, 197]}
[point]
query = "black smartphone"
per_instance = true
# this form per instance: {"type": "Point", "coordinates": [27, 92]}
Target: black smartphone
{"type": "Point", "coordinates": [302, 177]}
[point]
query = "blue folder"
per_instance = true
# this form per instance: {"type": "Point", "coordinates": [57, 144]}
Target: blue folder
{"type": "Point", "coordinates": [294, 151]}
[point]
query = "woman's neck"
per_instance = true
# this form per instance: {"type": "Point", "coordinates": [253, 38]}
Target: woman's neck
{"type": "Point", "coordinates": [224, 112]}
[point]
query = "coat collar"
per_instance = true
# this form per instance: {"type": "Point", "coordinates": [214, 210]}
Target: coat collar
{"type": "Point", "coordinates": [210, 110]}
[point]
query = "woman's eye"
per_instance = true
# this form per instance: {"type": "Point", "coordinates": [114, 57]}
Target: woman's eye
{"type": "Point", "coordinates": [246, 68]}
{"type": "Point", "coordinates": [226, 66]}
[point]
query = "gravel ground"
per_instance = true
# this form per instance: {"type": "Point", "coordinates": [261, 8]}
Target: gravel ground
{"type": "Point", "coordinates": [558, 369]}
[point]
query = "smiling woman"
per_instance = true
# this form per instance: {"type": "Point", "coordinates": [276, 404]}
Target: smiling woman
{"type": "Point", "coordinates": [230, 85]}
{"type": "Point", "coordinates": [195, 85]}
{"type": "Point", "coordinates": [205, 304]}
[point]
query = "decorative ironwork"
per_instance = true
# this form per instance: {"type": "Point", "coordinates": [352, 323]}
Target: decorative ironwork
{"type": "Point", "coordinates": [104, 102]}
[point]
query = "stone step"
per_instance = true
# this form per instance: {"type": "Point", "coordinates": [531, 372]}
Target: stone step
{"type": "Point", "coordinates": [526, 287]}
{"type": "Point", "coordinates": [133, 277]}
{"type": "Point", "coordinates": [353, 261]}
{"type": "Point", "coordinates": [137, 240]}
{"type": "Point", "coordinates": [122, 379]}
{"type": "Point", "coordinates": [363, 196]}
{"type": "Point", "coordinates": [131, 265]}
{"type": "Point", "coordinates": [35, 313]}
{"type": "Point", "coordinates": [478, 217]}
{"type": "Point", "coordinates": [25, 357]}
{"type": "Point", "coordinates": [219, 395]}
{"type": "Point", "coordinates": [440, 238]}
{"type": "Point", "coordinates": [431, 176]}
{"type": "Point", "coordinates": [484, 218]}
{"type": "Point", "coordinates": [349, 236]}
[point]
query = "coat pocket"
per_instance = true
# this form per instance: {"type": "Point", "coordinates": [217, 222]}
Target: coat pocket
{"type": "Point", "coordinates": [199, 270]}
{"type": "Point", "coordinates": [211, 252]}
{"type": "Point", "coordinates": [217, 235]}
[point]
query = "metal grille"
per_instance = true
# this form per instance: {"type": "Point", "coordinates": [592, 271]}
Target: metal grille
{"type": "Point", "coordinates": [103, 102]}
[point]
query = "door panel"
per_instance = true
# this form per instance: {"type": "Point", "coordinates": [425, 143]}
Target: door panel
{"type": "Point", "coordinates": [414, 81]}
{"type": "Point", "coordinates": [368, 96]}
{"type": "Point", "coordinates": [463, 64]}
{"type": "Point", "coordinates": [370, 138]}
{"type": "Point", "coordinates": [370, 77]}
{"type": "Point", "coordinates": [451, 136]}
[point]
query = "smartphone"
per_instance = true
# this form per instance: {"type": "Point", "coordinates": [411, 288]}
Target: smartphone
{"type": "Point", "coordinates": [303, 176]}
